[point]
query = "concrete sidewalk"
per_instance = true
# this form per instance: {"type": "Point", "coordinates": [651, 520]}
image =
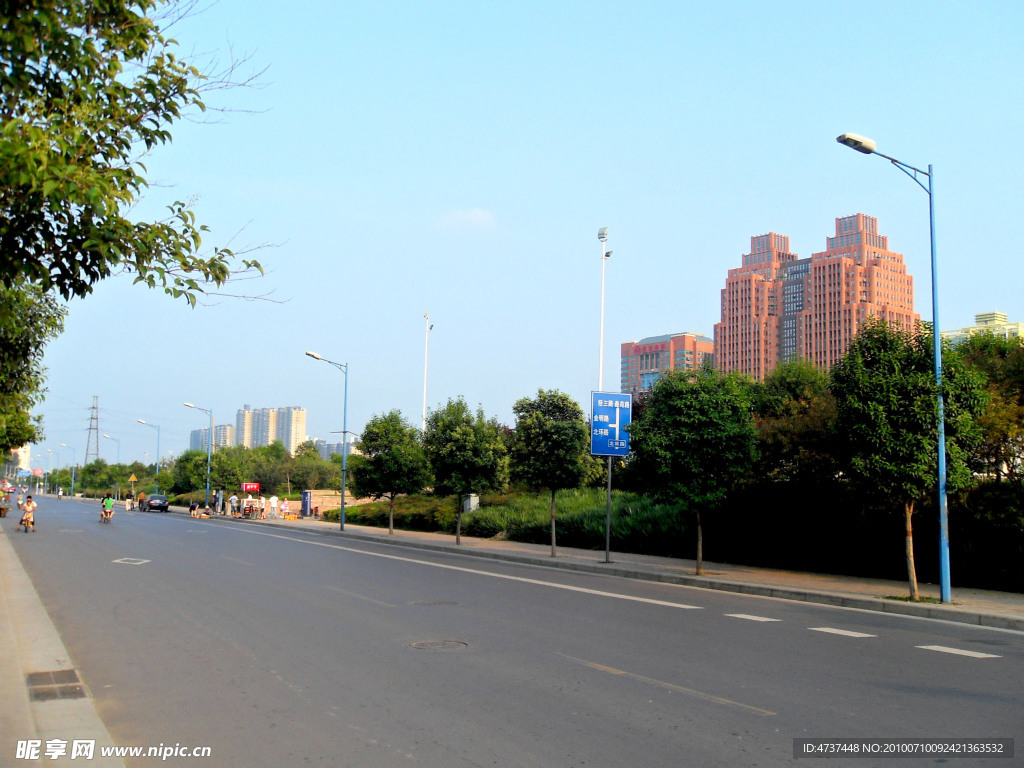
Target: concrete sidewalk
{"type": "Point", "coordinates": [41, 696]}
{"type": "Point", "coordinates": [970, 606]}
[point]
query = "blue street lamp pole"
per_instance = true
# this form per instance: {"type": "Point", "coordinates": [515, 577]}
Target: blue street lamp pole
{"type": "Point", "coordinates": [74, 460]}
{"type": "Point", "coordinates": [867, 147]}
{"type": "Point", "coordinates": [209, 447]}
{"type": "Point", "coordinates": [343, 367]}
{"type": "Point", "coordinates": [157, 428]}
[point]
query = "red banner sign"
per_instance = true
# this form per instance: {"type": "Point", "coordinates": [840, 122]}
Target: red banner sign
{"type": "Point", "coordinates": [251, 487]}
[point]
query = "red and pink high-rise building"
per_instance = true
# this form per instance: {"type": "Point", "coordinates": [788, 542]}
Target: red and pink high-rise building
{"type": "Point", "coordinates": [778, 307]}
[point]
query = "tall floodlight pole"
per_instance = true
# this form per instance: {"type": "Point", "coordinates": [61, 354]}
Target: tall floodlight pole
{"type": "Point", "coordinates": [343, 367]}
{"type": "Point", "coordinates": [209, 446]}
{"type": "Point", "coordinates": [74, 464]}
{"type": "Point", "coordinates": [157, 428]}
{"type": "Point", "coordinates": [426, 357]}
{"type": "Point", "coordinates": [868, 147]}
{"type": "Point", "coordinates": [117, 483]}
{"type": "Point", "coordinates": [602, 236]}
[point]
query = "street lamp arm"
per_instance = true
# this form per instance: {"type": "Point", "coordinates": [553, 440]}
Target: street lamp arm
{"type": "Point", "coordinates": [910, 170]}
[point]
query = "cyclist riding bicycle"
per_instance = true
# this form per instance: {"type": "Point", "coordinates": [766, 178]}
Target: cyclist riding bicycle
{"type": "Point", "coordinates": [107, 508]}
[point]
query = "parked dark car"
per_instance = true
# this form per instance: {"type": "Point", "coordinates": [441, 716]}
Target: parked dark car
{"type": "Point", "coordinates": [154, 503]}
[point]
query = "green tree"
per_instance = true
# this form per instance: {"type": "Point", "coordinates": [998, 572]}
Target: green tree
{"type": "Point", "coordinates": [229, 467]}
{"type": "Point", "coordinates": [1000, 451]}
{"type": "Point", "coordinates": [551, 445]}
{"type": "Point", "coordinates": [393, 461]}
{"type": "Point", "coordinates": [85, 88]}
{"type": "Point", "coordinates": [190, 472]}
{"type": "Point", "coordinates": [29, 319]}
{"type": "Point", "coordinates": [887, 416]}
{"type": "Point", "coordinates": [694, 441]}
{"type": "Point", "coordinates": [795, 414]}
{"type": "Point", "coordinates": [466, 452]}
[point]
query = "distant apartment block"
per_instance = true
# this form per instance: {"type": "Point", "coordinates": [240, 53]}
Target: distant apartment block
{"type": "Point", "coordinates": [223, 437]}
{"type": "Point", "coordinates": [778, 307]}
{"type": "Point", "coordinates": [263, 426]}
{"type": "Point", "coordinates": [644, 361]}
{"type": "Point", "coordinates": [987, 322]}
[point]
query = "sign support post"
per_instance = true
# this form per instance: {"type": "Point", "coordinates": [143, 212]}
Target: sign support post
{"type": "Point", "coordinates": [610, 414]}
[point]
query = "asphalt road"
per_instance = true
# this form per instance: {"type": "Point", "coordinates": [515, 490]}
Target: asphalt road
{"type": "Point", "coordinates": [280, 648]}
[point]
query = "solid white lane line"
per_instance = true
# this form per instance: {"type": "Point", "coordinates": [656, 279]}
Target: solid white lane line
{"type": "Point", "coordinates": [521, 579]}
{"type": "Point", "coordinates": [958, 651]}
{"type": "Point", "coordinates": [748, 617]}
{"type": "Point", "coordinates": [843, 632]}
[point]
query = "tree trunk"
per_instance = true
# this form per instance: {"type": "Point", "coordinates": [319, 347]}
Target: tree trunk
{"type": "Point", "coordinates": [391, 516]}
{"type": "Point", "coordinates": [700, 547]}
{"type": "Point", "coordinates": [908, 511]}
{"type": "Point", "coordinates": [553, 552]}
{"type": "Point", "coordinates": [458, 521]}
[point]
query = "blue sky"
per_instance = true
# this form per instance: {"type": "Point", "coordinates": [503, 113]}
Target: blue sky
{"type": "Point", "coordinates": [459, 157]}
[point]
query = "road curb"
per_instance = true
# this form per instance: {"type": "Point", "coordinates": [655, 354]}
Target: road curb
{"type": "Point", "coordinates": [36, 646]}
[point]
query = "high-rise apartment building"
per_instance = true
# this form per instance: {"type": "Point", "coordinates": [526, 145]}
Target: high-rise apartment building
{"type": "Point", "coordinates": [987, 322]}
{"type": "Point", "coordinates": [778, 307]}
{"type": "Point", "coordinates": [644, 361]}
{"type": "Point", "coordinates": [747, 337]}
{"type": "Point", "coordinates": [243, 426]}
{"type": "Point", "coordinates": [263, 426]}
{"type": "Point", "coordinates": [291, 427]}
{"type": "Point", "coordinates": [223, 437]}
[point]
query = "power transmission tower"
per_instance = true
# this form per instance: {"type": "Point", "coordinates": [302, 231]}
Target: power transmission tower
{"type": "Point", "coordinates": [94, 431]}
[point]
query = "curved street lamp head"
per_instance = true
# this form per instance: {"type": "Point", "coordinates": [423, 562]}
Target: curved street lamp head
{"type": "Point", "coordinates": [860, 143]}
{"type": "Point", "coordinates": [188, 405]}
{"type": "Point", "coordinates": [314, 355]}
{"type": "Point", "coordinates": [108, 437]}
{"type": "Point", "coordinates": [141, 421]}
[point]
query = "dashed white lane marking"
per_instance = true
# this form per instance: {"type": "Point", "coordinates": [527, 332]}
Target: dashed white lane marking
{"type": "Point", "coordinates": [843, 632]}
{"type": "Point", "coordinates": [958, 651]}
{"type": "Point", "coordinates": [748, 617]}
{"type": "Point", "coordinates": [474, 571]}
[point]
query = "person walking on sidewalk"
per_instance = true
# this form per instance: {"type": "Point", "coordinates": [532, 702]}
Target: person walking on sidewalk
{"type": "Point", "coordinates": [273, 505]}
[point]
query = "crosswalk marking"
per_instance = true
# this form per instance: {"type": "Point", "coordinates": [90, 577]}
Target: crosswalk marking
{"type": "Point", "coordinates": [958, 651]}
{"type": "Point", "coordinates": [844, 632]}
{"type": "Point", "coordinates": [748, 617]}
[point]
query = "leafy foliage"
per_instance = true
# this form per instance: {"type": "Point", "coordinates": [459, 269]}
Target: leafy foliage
{"type": "Point", "coordinates": [393, 460]}
{"type": "Point", "coordinates": [29, 319]}
{"type": "Point", "coordinates": [695, 441]}
{"type": "Point", "coordinates": [85, 87]}
{"type": "Point", "coordinates": [466, 452]}
{"type": "Point", "coordinates": [550, 446]}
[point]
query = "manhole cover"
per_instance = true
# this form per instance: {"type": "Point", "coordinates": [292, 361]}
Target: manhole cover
{"type": "Point", "coordinates": [439, 645]}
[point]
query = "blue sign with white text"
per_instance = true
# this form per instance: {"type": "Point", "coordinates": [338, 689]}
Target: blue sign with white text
{"type": "Point", "coordinates": [610, 414]}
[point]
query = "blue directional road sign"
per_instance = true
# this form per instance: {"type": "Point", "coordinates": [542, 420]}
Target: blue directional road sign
{"type": "Point", "coordinates": [610, 414]}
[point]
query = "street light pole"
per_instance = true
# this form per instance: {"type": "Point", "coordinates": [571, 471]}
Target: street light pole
{"type": "Point", "coordinates": [343, 367]}
{"type": "Point", "coordinates": [209, 446]}
{"type": "Point", "coordinates": [74, 460]}
{"type": "Point", "coordinates": [157, 428]}
{"type": "Point", "coordinates": [868, 147]}
{"type": "Point", "coordinates": [49, 479]}
{"type": "Point", "coordinates": [426, 357]}
{"type": "Point", "coordinates": [117, 483]}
